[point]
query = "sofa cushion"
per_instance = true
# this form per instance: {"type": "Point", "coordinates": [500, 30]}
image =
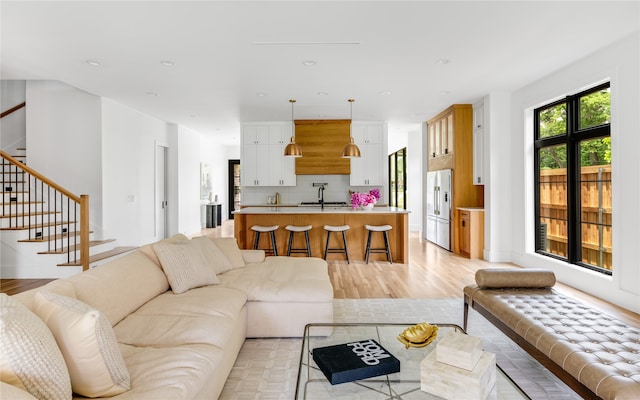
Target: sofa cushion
{"type": "Point", "coordinates": [148, 251]}
{"type": "Point", "coordinates": [88, 345]}
{"type": "Point", "coordinates": [214, 257]}
{"type": "Point", "coordinates": [515, 278]}
{"type": "Point", "coordinates": [121, 286]}
{"type": "Point", "coordinates": [280, 279]}
{"type": "Point", "coordinates": [229, 248]}
{"type": "Point", "coordinates": [14, 393]}
{"type": "Point", "coordinates": [203, 315]}
{"type": "Point", "coordinates": [170, 372]}
{"type": "Point", "coordinates": [185, 265]}
{"type": "Point", "coordinates": [29, 356]}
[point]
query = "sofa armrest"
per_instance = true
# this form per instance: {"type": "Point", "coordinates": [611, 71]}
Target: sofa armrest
{"type": "Point", "coordinates": [496, 278]}
{"type": "Point", "coordinates": [253, 256]}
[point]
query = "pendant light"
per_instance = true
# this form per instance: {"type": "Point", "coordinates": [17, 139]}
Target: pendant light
{"type": "Point", "coordinates": [293, 149]}
{"type": "Point", "coordinates": [351, 150]}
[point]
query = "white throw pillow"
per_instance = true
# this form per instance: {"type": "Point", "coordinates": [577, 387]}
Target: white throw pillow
{"type": "Point", "coordinates": [29, 356]}
{"type": "Point", "coordinates": [229, 248]}
{"type": "Point", "coordinates": [212, 254]}
{"type": "Point", "coordinates": [185, 266]}
{"type": "Point", "coordinates": [88, 345]}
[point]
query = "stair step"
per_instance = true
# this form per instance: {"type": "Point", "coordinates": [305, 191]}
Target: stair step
{"type": "Point", "coordinates": [37, 226]}
{"type": "Point", "coordinates": [101, 256]}
{"type": "Point", "coordinates": [53, 237]}
{"type": "Point", "coordinates": [33, 214]}
{"type": "Point", "coordinates": [64, 250]}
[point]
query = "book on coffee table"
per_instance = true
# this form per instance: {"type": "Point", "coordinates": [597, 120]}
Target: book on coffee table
{"type": "Point", "coordinates": [354, 361]}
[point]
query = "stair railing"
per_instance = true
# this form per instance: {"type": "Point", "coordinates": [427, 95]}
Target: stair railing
{"type": "Point", "coordinates": [50, 213]}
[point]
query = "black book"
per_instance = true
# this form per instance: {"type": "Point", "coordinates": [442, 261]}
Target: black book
{"type": "Point", "coordinates": [354, 361]}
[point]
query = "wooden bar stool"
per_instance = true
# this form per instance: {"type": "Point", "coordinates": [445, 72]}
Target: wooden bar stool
{"type": "Point", "coordinates": [342, 229]}
{"type": "Point", "coordinates": [385, 249]}
{"type": "Point", "coordinates": [271, 229]}
{"type": "Point", "coordinates": [293, 229]}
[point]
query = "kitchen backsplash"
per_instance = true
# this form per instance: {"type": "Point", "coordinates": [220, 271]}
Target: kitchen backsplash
{"type": "Point", "coordinates": [337, 189]}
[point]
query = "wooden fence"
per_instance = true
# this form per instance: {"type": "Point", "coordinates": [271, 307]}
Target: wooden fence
{"type": "Point", "coordinates": [595, 213]}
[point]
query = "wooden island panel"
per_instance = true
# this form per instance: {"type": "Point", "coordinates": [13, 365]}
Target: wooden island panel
{"type": "Point", "coordinates": [356, 236]}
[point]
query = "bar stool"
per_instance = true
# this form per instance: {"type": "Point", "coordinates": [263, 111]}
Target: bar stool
{"type": "Point", "coordinates": [260, 229]}
{"type": "Point", "coordinates": [293, 229]}
{"type": "Point", "coordinates": [343, 229]}
{"type": "Point", "coordinates": [385, 249]}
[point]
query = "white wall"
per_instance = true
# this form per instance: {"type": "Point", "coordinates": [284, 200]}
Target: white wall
{"type": "Point", "coordinates": [497, 174]}
{"type": "Point", "coordinates": [189, 204]}
{"type": "Point", "coordinates": [64, 139]}
{"type": "Point", "coordinates": [619, 63]}
{"type": "Point", "coordinates": [129, 140]}
{"type": "Point", "coordinates": [12, 127]}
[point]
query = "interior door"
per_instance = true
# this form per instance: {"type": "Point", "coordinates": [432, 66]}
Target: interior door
{"type": "Point", "coordinates": [161, 209]}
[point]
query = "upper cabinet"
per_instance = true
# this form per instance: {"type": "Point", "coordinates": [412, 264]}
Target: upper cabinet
{"type": "Point", "coordinates": [368, 170]}
{"type": "Point", "coordinates": [478, 143]}
{"type": "Point", "coordinates": [441, 133]}
{"type": "Point", "coordinates": [263, 162]}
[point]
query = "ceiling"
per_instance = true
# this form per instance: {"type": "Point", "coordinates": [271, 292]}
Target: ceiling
{"type": "Point", "coordinates": [233, 61]}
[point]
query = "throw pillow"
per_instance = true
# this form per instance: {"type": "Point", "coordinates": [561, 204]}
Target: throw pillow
{"type": "Point", "coordinates": [229, 248]}
{"type": "Point", "coordinates": [29, 356]}
{"type": "Point", "coordinates": [212, 254]}
{"type": "Point", "coordinates": [185, 266]}
{"type": "Point", "coordinates": [88, 345]}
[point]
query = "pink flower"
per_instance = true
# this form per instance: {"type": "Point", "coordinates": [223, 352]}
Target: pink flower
{"type": "Point", "coordinates": [363, 199]}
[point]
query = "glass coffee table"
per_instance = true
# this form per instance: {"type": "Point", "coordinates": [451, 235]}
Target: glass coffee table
{"type": "Point", "coordinates": [312, 384]}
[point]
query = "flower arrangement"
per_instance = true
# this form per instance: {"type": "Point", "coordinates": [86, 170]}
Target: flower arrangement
{"type": "Point", "coordinates": [364, 199]}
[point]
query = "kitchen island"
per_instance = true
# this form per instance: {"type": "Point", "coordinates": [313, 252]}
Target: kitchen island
{"type": "Point", "coordinates": [317, 217]}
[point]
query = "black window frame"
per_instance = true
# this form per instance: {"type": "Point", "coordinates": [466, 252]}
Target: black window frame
{"type": "Point", "coordinates": [572, 138]}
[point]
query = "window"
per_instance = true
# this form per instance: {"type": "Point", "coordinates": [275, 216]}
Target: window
{"type": "Point", "coordinates": [573, 179]}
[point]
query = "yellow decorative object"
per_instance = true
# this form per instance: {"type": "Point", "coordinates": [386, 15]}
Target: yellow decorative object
{"type": "Point", "coordinates": [418, 335]}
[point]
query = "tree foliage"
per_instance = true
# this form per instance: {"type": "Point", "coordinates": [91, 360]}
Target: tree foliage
{"type": "Point", "coordinates": [595, 110]}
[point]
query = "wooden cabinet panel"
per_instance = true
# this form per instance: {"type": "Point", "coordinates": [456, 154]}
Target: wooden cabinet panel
{"type": "Point", "coordinates": [471, 232]}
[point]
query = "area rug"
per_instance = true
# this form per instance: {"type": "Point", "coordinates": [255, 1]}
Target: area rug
{"type": "Point", "coordinates": [268, 368]}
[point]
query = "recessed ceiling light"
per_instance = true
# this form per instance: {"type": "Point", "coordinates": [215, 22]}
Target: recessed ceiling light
{"type": "Point", "coordinates": [167, 63]}
{"type": "Point", "coordinates": [94, 63]}
{"type": "Point", "coordinates": [445, 92]}
{"type": "Point", "coordinates": [309, 63]}
{"type": "Point", "coordinates": [323, 93]}
{"type": "Point", "coordinates": [442, 61]}
{"type": "Point", "coordinates": [260, 94]}
{"type": "Point", "coordinates": [154, 94]}
{"type": "Point", "coordinates": [385, 93]}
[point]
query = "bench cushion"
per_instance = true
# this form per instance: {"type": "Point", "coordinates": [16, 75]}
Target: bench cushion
{"type": "Point", "coordinates": [515, 278]}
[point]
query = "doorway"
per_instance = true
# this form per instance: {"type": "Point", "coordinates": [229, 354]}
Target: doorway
{"type": "Point", "coordinates": [161, 203]}
{"type": "Point", "coordinates": [398, 179]}
{"type": "Point", "coordinates": [234, 186]}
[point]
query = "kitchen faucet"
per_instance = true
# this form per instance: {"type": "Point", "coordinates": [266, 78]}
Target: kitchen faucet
{"type": "Point", "coordinates": [321, 187]}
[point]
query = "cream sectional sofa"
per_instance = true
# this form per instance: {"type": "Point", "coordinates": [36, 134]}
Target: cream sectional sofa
{"type": "Point", "coordinates": [175, 327]}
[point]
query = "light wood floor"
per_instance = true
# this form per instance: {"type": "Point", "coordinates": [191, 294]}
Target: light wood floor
{"type": "Point", "coordinates": [432, 272]}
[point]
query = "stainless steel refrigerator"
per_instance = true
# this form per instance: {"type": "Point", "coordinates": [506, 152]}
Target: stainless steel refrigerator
{"type": "Point", "coordinates": [438, 208]}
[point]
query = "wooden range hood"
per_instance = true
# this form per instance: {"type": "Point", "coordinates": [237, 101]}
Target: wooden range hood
{"type": "Point", "coordinates": [322, 142]}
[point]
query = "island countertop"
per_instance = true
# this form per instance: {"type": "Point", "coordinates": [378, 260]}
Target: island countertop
{"type": "Point", "coordinates": [317, 217]}
{"type": "Point", "coordinates": [317, 210]}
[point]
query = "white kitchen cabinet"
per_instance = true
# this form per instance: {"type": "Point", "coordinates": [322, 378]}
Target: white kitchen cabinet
{"type": "Point", "coordinates": [262, 160]}
{"type": "Point", "coordinates": [368, 170]}
{"type": "Point", "coordinates": [478, 143]}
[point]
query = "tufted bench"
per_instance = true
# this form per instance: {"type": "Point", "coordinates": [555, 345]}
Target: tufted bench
{"type": "Point", "coordinates": [595, 354]}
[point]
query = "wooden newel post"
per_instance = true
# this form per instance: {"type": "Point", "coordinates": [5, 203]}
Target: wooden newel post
{"type": "Point", "coordinates": [84, 231]}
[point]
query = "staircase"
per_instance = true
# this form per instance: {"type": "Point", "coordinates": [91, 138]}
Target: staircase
{"type": "Point", "coordinates": [38, 216]}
